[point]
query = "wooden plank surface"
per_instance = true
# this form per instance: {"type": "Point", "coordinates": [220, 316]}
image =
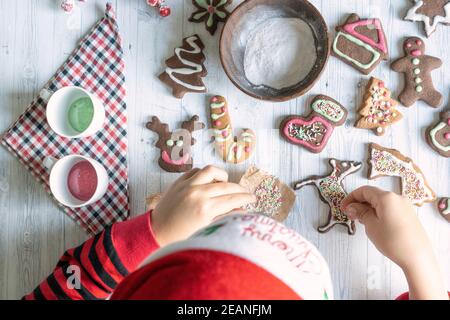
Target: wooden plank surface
{"type": "Point", "coordinates": [37, 37]}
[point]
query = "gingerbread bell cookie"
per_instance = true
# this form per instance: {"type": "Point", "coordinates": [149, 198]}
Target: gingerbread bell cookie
{"type": "Point", "coordinates": [314, 131]}
{"type": "Point", "coordinates": [417, 67]}
{"type": "Point", "coordinates": [444, 208]}
{"type": "Point", "coordinates": [431, 13]}
{"type": "Point", "coordinates": [232, 149]}
{"type": "Point", "coordinates": [384, 162]}
{"type": "Point", "coordinates": [185, 69]}
{"type": "Point", "coordinates": [438, 136]}
{"type": "Point", "coordinates": [378, 110]}
{"type": "Point", "coordinates": [361, 43]}
{"type": "Point", "coordinates": [211, 12]}
{"type": "Point", "coordinates": [274, 198]}
{"type": "Point", "coordinates": [175, 146]}
{"type": "Point", "coordinates": [332, 192]}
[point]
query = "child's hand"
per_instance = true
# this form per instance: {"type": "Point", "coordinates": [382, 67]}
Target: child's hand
{"type": "Point", "coordinates": [394, 228]}
{"type": "Point", "coordinates": [194, 201]}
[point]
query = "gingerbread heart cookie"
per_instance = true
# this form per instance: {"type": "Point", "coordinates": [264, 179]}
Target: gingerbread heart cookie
{"type": "Point", "coordinates": [175, 146]}
{"type": "Point", "coordinates": [438, 136]}
{"type": "Point", "coordinates": [361, 43]}
{"type": "Point", "coordinates": [231, 149]}
{"type": "Point", "coordinates": [314, 131]}
{"type": "Point", "coordinates": [332, 192]}
{"type": "Point", "coordinates": [417, 67]}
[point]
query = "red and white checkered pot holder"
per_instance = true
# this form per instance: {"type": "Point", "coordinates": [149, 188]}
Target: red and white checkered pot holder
{"type": "Point", "coordinates": [97, 66]}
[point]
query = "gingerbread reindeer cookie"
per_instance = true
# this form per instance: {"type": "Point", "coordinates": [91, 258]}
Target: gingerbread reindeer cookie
{"type": "Point", "coordinates": [185, 69]}
{"type": "Point", "coordinates": [231, 149]}
{"type": "Point", "coordinates": [384, 162]}
{"type": "Point", "coordinates": [314, 131]}
{"type": "Point", "coordinates": [175, 146]}
{"type": "Point", "coordinates": [417, 67]}
{"type": "Point", "coordinates": [332, 192]}
{"type": "Point", "coordinates": [438, 136]}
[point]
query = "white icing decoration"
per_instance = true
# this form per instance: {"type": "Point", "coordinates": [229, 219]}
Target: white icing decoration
{"type": "Point", "coordinates": [419, 89]}
{"type": "Point", "coordinates": [416, 71]}
{"type": "Point", "coordinates": [187, 71]}
{"type": "Point", "coordinates": [231, 152]}
{"type": "Point", "coordinates": [215, 116]}
{"type": "Point", "coordinates": [447, 210]}
{"type": "Point", "coordinates": [430, 26]}
{"type": "Point", "coordinates": [418, 80]}
{"type": "Point", "coordinates": [415, 61]}
{"type": "Point", "coordinates": [433, 134]}
{"type": "Point", "coordinates": [219, 105]}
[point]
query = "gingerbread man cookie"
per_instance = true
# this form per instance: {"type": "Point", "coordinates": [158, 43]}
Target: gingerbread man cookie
{"type": "Point", "coordinates": [444, 208]}
{"type": "Point", "coordinates": [211, 12]}
{"type": "Point", "coordinates": [384, 162]}
{"type": "Point", "coordinates": [314, 131]}
{"type": "Point", "coordinates": [438, 136]}
{"type": "Point", "coordinates": [377, 111]}
{"type": "Point", "coordinates": [175, 146]}
{"type": "Point", "coordinates": [332, 192]}
{"type": "Point", "coordinates": [431, 13]}
{"type": "Point", "coordinates": [361, 43]}
{"type": "Point", "coordinates": [185, 69]}
{"type": "Point", "coordinates": [231, 149]}
{"type": "Point", "coordinates": [417, 68]}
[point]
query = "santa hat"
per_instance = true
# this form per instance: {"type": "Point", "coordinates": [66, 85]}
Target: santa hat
{"type": "Point", "coordinates": [240, 257]}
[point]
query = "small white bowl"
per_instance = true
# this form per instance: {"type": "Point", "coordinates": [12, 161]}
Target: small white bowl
{"type": "Point", "coordinates": [57, 112]}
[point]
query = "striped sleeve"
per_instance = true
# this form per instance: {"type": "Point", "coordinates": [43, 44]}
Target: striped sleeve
{"type": "Point", "coordinates": [92, 270]}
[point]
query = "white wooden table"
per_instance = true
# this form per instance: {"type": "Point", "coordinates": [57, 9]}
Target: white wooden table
{"type": "Point", "coordinates": [35, 39]}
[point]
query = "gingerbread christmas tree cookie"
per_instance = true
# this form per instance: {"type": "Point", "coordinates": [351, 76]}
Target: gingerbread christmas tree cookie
{"type": "Point", "coordinates": [431, 13]}
{"type": "Point", "coordinates": [314, 131]}
{"type": "Point", "coordinates": [211, 12]}
{"type": "Point", "coordinates": [361, 43]}
{"type": "Point", "coordinates": [332, 192]}
{"type": "Point", "coordinates": [417, 67]}
{"type": "Point", "coordinates": [377, 110]}
{"type": "Point", "coordinates": [438, 136]}
{"type": "Point", "coordinates": [185, 69]}
{"type": "Point", "coordinates": [386, 162]}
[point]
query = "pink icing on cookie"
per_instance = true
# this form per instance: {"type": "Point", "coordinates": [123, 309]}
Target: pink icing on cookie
{"type": "Point", "coordinates": [448, 121]}
{"type": "Point", "coordinates": [447, 136]}
{"type": "Point", "coordinates": [350, 28]}
{"type": "Point", "coordinates": [299, 121]}
{"type": "Point", "coordinates": [416, 53]}
{"type": "Point", "coordinates": [442, 205]}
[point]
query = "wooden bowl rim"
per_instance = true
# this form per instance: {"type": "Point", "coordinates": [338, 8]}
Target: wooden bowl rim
{"type": "Point", "coordinates": [283, 98]}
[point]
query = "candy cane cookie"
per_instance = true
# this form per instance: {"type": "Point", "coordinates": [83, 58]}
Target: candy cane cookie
{"type": "Point", "coordinates": [232, 149]}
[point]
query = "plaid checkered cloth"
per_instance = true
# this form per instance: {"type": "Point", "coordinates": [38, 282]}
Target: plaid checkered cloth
{"type": "Point", "coordinates": [97, 66]}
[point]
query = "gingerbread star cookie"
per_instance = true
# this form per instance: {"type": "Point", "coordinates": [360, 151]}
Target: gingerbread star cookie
{"type": "Point", "coordinates": [386, 162]}
{"type": "Point", "coordinates": [211, 12]}
{"type": "Point", "coordinates": [431, 13]}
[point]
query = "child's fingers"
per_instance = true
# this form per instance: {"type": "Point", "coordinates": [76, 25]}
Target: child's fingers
{"type": "Point", "coordinates": [366, 194]}
{"type": "Point", "coordinates": [222, 188]}
{"type": "Point", "coordinates": [207, 175]}
{"type": "Point", "coordinates": [230, 202]}
{"type": "Point", "coordinates": [361, 212]}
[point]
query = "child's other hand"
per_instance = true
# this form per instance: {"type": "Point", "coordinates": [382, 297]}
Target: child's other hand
{"type": "Point", "coordinates": [394, 228]}
{"type": "Point", "coordinates": [194, 201]}
{"type": "Point", "coordinates": [390, 222]}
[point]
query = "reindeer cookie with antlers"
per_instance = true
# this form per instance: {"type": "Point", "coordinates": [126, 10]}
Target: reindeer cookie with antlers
{"type": "Point", "coordinates": [175, 145]}
{"type": "Point", "coordinates": [332, 192]}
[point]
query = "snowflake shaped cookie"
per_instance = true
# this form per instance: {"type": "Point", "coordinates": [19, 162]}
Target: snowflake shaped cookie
{"type": "Point", "coordinates": [431, 13]}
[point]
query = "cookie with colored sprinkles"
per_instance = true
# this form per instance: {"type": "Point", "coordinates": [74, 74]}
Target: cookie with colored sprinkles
{"type": "Point", "coordinates": [384, 162]}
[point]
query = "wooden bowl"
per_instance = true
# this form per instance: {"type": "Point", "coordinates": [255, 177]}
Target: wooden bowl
{"type": "Point", "coordinates": [238, 27]}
